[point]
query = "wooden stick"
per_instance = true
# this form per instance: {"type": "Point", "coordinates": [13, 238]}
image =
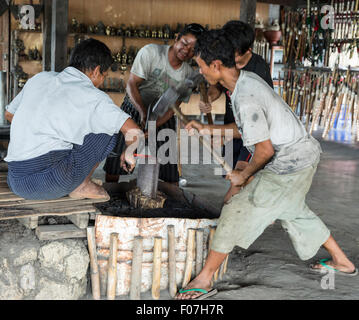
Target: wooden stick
{"type": "Point", "coordinates": [95, 276]}
{"type": "Point", "coordinates": [156, 278]}
{"type": "Point", "coordinates": [199, 250]}
{"type": "Point", "coordinates": [172, 283]}
{"type": "Point", "coordinates": [112, 267]}
{"type": "Point", "coordinates": [204, 142]}
{"type": "Point", "coordinates": [136, 271]}
{"type": "Point", "coordinates": [189, 256]}
{"type": "Point", "coordinates": [204, 98]}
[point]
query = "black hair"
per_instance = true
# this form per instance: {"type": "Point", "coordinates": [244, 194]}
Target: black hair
{"type": "Point", "coordinates": [193, 28]}
{"type": "Point", "coordinates": [214, 45]}
{"type": "Point", "coordinates": [89, 54]}
{"type": "Point", "coordinates": [241, 35]}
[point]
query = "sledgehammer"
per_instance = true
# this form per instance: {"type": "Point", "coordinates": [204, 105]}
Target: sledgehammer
{"type": "Point", "coordinates": [167, 101]}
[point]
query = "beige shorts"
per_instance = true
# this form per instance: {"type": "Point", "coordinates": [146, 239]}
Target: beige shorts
{"type": "Point", "coordinates": [267, 198]}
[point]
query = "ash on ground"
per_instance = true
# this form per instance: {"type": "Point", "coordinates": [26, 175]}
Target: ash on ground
{"type": "Point", "coordinates": [172, 208]}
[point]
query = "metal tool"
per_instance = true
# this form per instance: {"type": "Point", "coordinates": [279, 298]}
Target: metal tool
{"type": "Point", "coordinates": [166, 102]}
{"type": "Point", "coordinates": [147, 176]}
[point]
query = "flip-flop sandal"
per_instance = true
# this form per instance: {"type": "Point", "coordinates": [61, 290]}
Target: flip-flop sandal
{"type": "Point", "coordinates": [205, 294]}
{"type": "Point", "coordinates": [328, 268]}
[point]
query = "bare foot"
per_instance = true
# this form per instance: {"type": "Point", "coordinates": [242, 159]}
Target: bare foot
{"type": "Point", "coordinates": [195, 283]}
{"type": "Point", "coordinates": [89, 190]}
{"type": "Point", "coordinates": [347, 267]}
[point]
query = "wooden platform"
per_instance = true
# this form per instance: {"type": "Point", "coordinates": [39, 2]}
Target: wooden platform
{"type": "Point", "coordinates": [28, 211]}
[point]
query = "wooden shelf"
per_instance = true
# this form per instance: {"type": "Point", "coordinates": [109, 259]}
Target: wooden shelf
{"type": "Point", "coordinates": [116, 36]}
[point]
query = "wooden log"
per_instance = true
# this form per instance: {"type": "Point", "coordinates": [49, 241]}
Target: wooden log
{"type": "Point", "coordinates": [59, 231]}
{"type": "Point", "coordinates": [112, 267]}
{"type": "Point", "coordinates": [136, 270]}
{"type": "Point", "coordinates": [199, 251]}
{"type": "Point", "coordinates": [191, 233]}
{"type": "Point", "coordinates": [156, 275]}
{"type": "Point", "coordinates": [172, 284]}
{"type": "Point", "coordinates": [95, 276]}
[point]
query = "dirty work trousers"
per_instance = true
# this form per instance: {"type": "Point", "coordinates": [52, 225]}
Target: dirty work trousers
{"type": "Point", "coordinates": [267, 198]}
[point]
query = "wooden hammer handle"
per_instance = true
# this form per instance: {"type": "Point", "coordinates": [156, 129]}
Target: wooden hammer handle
{"type": "Point", "coordinates": [205, 143]}
{"type": "Point", "coordinates": [204, 98]}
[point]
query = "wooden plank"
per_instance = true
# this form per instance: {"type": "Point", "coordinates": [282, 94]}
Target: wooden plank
{"type": "Point", "coordinates": [59, 231]}
{"type": "Point", "coordinates": [17, 201]}
{"type": "Point", "coordinates": [6, 214]}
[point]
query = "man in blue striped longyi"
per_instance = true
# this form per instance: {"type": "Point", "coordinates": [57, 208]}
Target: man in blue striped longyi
{"type": "Point", "coordinates": [63, 126]}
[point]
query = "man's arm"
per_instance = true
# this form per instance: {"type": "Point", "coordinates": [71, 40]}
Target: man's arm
{"type": "Point", "coordinates": [209, 128]}
{"type": "Point", "coordinates": [133, 92]}
{"type": "Point", "coordinates": [263, 153]}
{"type": "Point", "coordinates": [133, 135]}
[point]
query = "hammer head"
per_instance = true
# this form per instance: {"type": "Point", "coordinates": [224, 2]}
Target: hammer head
{"type": "Point", "coordinates": [172, 94]}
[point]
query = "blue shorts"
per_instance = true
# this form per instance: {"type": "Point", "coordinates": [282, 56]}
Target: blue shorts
{"type": "Point", "coordinates": [58, 173]}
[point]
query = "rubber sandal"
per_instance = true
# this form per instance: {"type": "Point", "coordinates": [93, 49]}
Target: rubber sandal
{"type": "Point", "coordinates": [328, 268]}
{"type": "Point", "coordinates": [205, 294]}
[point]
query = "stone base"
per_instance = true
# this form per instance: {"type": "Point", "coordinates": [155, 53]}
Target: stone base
{"type": "Point", "coordinates": [138, 200]}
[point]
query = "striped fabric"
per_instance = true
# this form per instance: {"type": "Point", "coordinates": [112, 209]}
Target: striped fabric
{"type": "Point", "coordinates": [168, 172]}
{"type": "Point", "coordinates": [57, 173]}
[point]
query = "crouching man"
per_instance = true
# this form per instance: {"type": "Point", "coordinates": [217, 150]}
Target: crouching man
{"type": "Point", "coordinates": [63, 126]}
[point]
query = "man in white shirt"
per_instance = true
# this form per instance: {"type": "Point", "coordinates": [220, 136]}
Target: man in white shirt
{"type": "Point", "coordinates": [273, 185]}
{"type": "Point", "coordinates": [156, 68]}
{"type": "Point", "coordinates": [63, 126]}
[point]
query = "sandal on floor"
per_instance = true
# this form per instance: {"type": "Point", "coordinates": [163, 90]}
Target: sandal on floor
{"type": "Point", "coordinates": [205, 294]}
{"type": "Point", "coordinates": [328, 268]}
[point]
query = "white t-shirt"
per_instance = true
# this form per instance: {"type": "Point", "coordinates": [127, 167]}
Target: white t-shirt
{"type": "Point", "coordinates": [261, 114]}
{"type": "Point", "coordinates": [56, 110]}
{"type": "Point", "coordinates": [152, 65]}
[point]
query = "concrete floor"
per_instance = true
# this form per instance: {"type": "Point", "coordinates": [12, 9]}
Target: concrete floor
{"type": "Point", "coordinates": [270, 268]}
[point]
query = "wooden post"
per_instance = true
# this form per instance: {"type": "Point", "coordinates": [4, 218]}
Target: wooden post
{"type": "Point", "coordinates": [59, 24]}
{"type": "Point", "coordinates": [248, 11]}
{"type": "Point", "coordinates": [172, 283]}
{"type": "Point", "coordinates": [156, 280]}
{"type": "Point", "coordinates": [189, 256]}
{"type": "Point", "coordinates": [199, 250]}
{"type": "Point", "coordinates": [137, 252]}
{"type": "Point", "coordinates": [112, 267]}
{"type": "Point", "coordinates": [46, 33]}
{"type": "Point", "coordinates": [95, 276]}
